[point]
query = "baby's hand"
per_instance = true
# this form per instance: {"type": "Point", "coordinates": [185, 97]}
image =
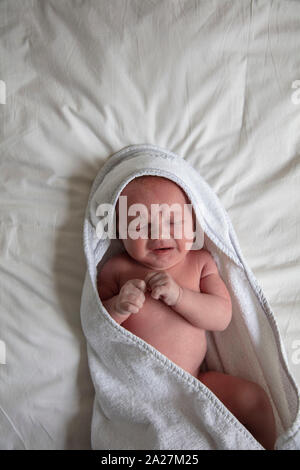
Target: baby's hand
{"type": "Point", "coordinates": [131, 297]}
{"type": "Point", "coordinates": [163, 286]}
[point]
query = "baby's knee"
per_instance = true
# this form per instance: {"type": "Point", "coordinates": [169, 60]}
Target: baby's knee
{"type": "Point", "coordinates": [253, 398]}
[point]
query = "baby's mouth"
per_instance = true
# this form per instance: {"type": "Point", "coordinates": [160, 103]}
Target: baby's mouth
{"type": "Point", "coordinates": [163, 250]}
{"type": "Point", "coordinates": [161, 247]}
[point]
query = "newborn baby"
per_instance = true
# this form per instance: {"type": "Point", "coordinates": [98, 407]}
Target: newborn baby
{"type": "Point", "coordinates": [169, 295]}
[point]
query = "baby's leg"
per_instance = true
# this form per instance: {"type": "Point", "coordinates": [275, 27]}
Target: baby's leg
{"type": "Point", "coordinates": [247, 401]}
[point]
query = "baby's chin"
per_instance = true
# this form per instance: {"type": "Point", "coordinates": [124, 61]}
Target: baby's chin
{"type": "Point", "coordinates": [161, 262]}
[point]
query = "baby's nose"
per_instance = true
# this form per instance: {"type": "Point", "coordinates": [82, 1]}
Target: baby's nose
{"type": "Point", "coordinates": [162, 231]}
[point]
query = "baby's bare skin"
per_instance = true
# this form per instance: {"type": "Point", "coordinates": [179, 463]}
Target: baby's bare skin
{"type": "Point", "coordinates": [161, 325]}
{"type": "Point", "coordinates": [171, 298]}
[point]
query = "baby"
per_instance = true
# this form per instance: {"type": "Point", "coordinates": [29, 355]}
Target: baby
{"type": "Point", "coordinates": [169, 295]}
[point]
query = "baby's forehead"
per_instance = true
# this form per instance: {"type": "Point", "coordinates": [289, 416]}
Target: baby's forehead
{"type": "Point", "coordinates": [147, 188]}
{"type": "Point", "coordinates": [154, 185]}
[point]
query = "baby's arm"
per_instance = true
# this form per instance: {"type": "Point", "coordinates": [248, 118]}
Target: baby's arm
{"type": "Point", "coordinates": [120, 303]}
{"type": "Point", "coordinates": [210, 309]}
{"type": "Point", "coordinates": [108, 288]}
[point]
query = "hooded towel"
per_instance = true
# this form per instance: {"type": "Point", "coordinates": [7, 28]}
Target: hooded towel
{"type": "Point", "coordinates": [143, 400]}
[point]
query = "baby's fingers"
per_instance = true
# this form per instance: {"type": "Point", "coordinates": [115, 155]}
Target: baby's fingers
{"type": "Point", "coordinates": [127, 307]}
{"type": "Point", "coordinates": [156, 279]}
{"type": "Point", "coordinates": [139, 283]}
{"type": "Point", "coordinates": [137, 300]}
{"type": "Point", "coordinates": [157, 292]}
{"type": "Point", "coordinates": [150, 275]}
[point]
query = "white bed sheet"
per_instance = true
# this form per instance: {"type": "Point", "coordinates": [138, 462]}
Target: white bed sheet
{"type": "Point", "coordinates": [209, 80]}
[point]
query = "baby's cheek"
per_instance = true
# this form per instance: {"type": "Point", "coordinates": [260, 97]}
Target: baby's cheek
{"type": "Point", "coordinates": [188, 230]}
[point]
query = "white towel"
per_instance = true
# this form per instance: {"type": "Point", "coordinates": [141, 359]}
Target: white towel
{"type": "Point", "coordinates": [142, 399]}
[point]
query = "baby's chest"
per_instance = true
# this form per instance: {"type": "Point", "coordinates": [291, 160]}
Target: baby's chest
{"type": "Point", "coordinates": [155, 316]}
{"type": "Point", "coordinates": [189, 278]}
{"type": "Point", "coordinates": [153, 319]}
{"type": "Point", "coordinates": [186, 275]}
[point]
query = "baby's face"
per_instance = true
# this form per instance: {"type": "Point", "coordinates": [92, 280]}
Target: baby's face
{"type": "Point", "coordinates": [147, 251]}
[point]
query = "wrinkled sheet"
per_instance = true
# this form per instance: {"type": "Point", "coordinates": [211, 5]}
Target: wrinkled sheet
{"type": "Point", "coordinates": [211, 81]}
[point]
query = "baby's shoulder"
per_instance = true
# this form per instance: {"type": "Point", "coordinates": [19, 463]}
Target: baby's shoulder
{"type": "Point", "coordinates": [111, 269]}
{"type": "Point", "coordinates": [117, 261]}
{"type": "Point", "coordinates": [204, 259]}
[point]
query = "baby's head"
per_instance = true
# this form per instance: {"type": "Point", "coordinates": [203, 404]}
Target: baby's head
{"type": "Point", "coordinates": [166, 224]}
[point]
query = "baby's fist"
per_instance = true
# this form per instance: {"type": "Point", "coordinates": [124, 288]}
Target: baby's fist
{"type": "Point", "coordinates": [131, 297]}
{"type": "Point", "coordinates": [163, 287]}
